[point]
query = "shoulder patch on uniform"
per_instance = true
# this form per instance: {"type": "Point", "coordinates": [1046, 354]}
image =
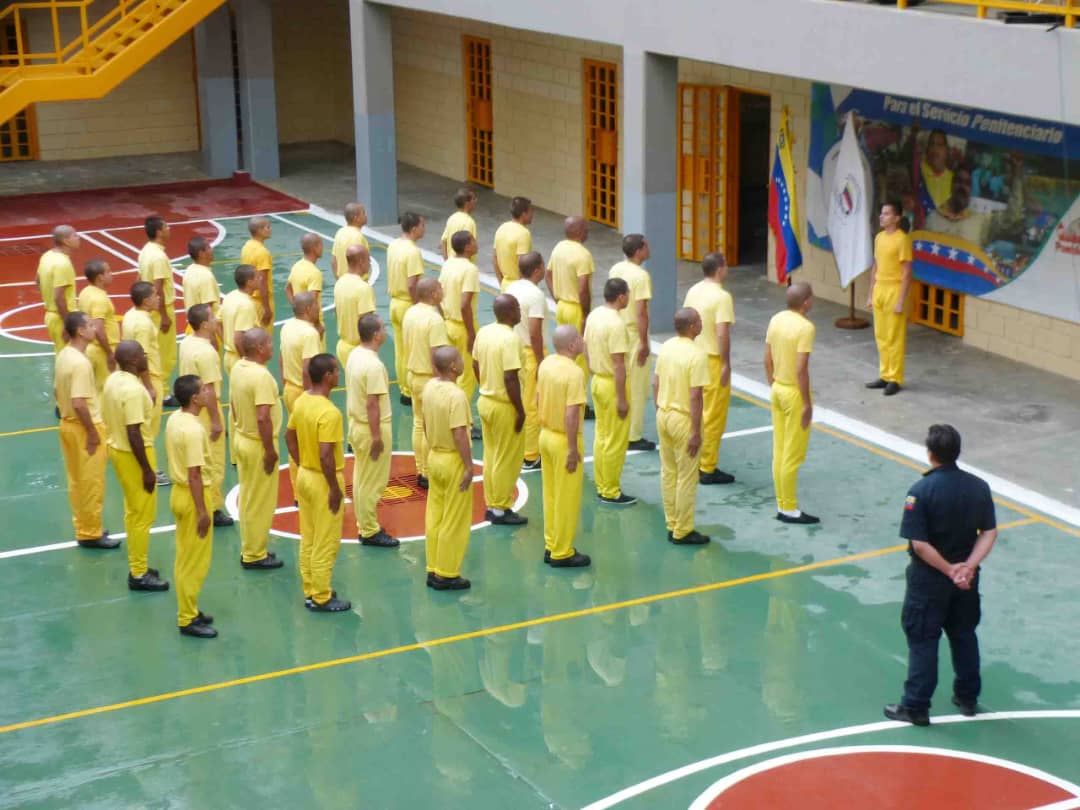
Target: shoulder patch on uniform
{"type": "Point", "coordinates": [909, 502]}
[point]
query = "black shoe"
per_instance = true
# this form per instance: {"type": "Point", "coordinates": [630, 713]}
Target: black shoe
{"type": "Point", "coordinates": [898, 711]}
{"type": "Point", "coordinates": [508, 518]}
{"type": "Point", "coordinates": [56, 410]}
{"type": "Point", "coordinates": [530, 465]}
{"type": "Point", "coordinates": [576, 560]}
{"type": "Point", "coordinates": [878, 383]}
{"type": "Point", "coordinates": [431, 579]}
{"type": "Point", "coordinates": [803, 519]}
{"type": "Point", "coordinates": [198, 630]}
{"type": "Point", "coordinates": [715, 477]}
{"type": "Point", "coordinates": [222, 520]}
{"type": "Point", "coordinates": [547, 555]}
{"type": "Point", "coordinates": [101, 542]}
{"type": "Point", "coordinates": [589, 413]}
{"type": "Point", "coordinates": [203, 618]}
{"type": "Point", "coordinates": [307, 599]}
{"type": "Point", "coordinates": [381, 540]}
{"type": "Point", "coordinates": [641, 444]}
{"type": "Point", "coordinates": [150, 581]}
{"type": "Point", "coordinates": [406, 401]}
{"type": "Point", "coordinates": [620, 500]}
{"type": "Point", "coordinates": [331, 605]}
{"type": "Point", "coordinates": [450, 584]}
{"type": "Point", "coordinates": [170, 402]}
{"type": "Point", "coordinates": [694, 538]}
{"type": "Point", "coordinates": [421, 481]}
{"type": "Point", "coordinates": [891, 389]}
{"type": "Point", "coordinates": [968, 709]}
{"type": "Point", "coordinates": [477, 434]}
{"type": "Point", "coordinates": [267, 563]}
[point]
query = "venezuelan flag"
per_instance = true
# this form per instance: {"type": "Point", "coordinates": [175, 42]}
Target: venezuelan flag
{"type": "Point", "coordinates": [783, 207]}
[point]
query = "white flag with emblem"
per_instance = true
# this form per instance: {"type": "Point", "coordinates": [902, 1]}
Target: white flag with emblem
{"type": "Point", "coordinates": [849, 212]}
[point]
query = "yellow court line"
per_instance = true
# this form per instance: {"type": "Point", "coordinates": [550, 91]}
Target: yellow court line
{"type": "Point", "coordinates": [25, 431]}
{"type": "Point", "coordinates": [438, 642]}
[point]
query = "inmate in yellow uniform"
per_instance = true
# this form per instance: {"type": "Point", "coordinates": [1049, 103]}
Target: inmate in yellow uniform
{"type": "Point", "coordinates": [138, 325]}
{"type": "Point", "coordinates": [305, 276]}
{"type": "Point", "coordinates": [714, 304]}
{"type": "Point", "coordinates": [605, 335]}
{"type": "Point", "coordinates": [153, 267]}
{"type": "Point", "coordinates": [345, 238]}
{"type": "Point", "coordinates": [126, 401]}
{"type": "Point", "coordinates": [316, 420]}
{"type": "Point", "coordinates": [638, 378]}
{"type": "Point", "coordinates": [366, 376]}
{"type": "Point", "coordinates": [258, 256]}
{"type": "Point", "coordinates": [199, 357]}
{"type": "Point", "coordinates": [498, 350]}
{"type": "Point", "coordinates": [74, 379]}
{"type": "Point", "coordinates": [251, 385]}
{"type": "Point", "coordinates": [448, 517]}
{"type": "Point", "coordinates": [97, 305]}
{"type": "Point", "coordinates": [890, 328]}
{"type": "Point", "coordinates": [353, 298]}
{"type": "Point", "coordinates": [789, 335]}
{"type": "Point", "coordinates": [569, 261]}
{"type": "Point", "coordinates": [457, 221]}
{"type": "Point", "coordinates": [403, 261]}
{"type": "Point", "coordinates": [299, 342]}
{"type": "Point", "coordinates": [239, 312]}
{"type": "Point", "coordinates": [423, 330]}
{"type": "Point", "coordinates": [533, 305]}
{"type": "Point", "coordinates": [460, 276]}
{"type": "Point", "coordinates": [681, 366]}
{"type": "Point", "coordinates": [560, 384]}
{"type": "Point", "coordinates": [187, 445]}
{"type": "Point", "coordinates": [512, 240]}
{"type": "Point", "coordinates": [201, 287]}
{"type": "Point", "coordinates": [55, 271]}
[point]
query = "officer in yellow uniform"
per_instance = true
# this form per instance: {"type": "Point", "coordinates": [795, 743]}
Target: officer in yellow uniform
{"type": "Point", "coordinates": [423, 330]}
{"type": "Point", "coordinates": [682, 373]}
{"type": "Point", "coordinates": [460, 279]}
{"type": "Point", "coordinates": [314, 437]}
{"type": "Point", "coordinates": [138, 325]}
{"type": "Point", "coordinates": [465, 201]}
{"type": "Point", "coordinates": [299, 342]}
{"type": "Point", "coordinates": [560, 388]}
{"type": "Point", "coordinates": [56, 281]}
{"type": "Point", "coordinates": [788, 343]}
{"type": "Point", "coordinates": [154, 267]}
{"type": "Point", "coordinates": [239, 313]}
{"type": "Point", "coordinates": [636, 316]}
{"type": "Point", "coordinates": [81, 433]}
{"type": "Point", "coordinates": [353, 298]}
{"type": "Point", "coordinates": [404, 269]}
{"type": "Point", "coordinates": [95, 302]}
{"type": "Point", "coordinates": [448, 517]}
{"type": "Point", "coordinates": [890, 279]}
{"type": "Point", "coordinates": [348, 235]}
{"type": "Point", "coordinates": [200, 284]}
{"type": "Point", "coordinates": [305, 275]}
{"type": "Point", "coordinates": [128, 411]}
{"type": "Point", "coordinates": [714, 304]}
{"type": "Point", "coordinates": [255, 253]}
{"type": "Point", "coordinates": [500, 355]}
{"type": "Point", "coordinates": [255, 406]}
{"type": "Point", "coordinates": [512, 240]}
{"type": "Point", "coordinates": [609, 351]}
{"type": "Point", "coordinates": [532, 329]}
{"type": "Point", "coordinates": [367, 386]}
{"type": "Point", "coordinates": [188, 447]}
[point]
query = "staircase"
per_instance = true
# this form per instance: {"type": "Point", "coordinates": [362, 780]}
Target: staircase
{"type": "Point", "coordinates": [100, 55]}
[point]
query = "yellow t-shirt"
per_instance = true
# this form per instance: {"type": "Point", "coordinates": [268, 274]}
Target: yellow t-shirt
{"type": "Point", "coordinates": [55, 270]}
{"type": "Point", "coordinates": [497, 349]}
{"type": "Point", "coordinates": [403, 261]}
{"type": "Point", "coordinates": [789, 335]}
{"type": "Point", "coordinates": [366, 376]}
{"type": "Point", "coordinates": [138, 325]}
{"type": "Point", "coordinates": [939, 186]}
{"type": "Point", "coordinates": [199, 357]}
{"type": "Point", "coordinates": [458, 277]}
{"type": "Point", "coordinates": [605, 335]}
{"type": "Point", "coordinates": [512, 239]}
{"type": "Point", "coordinates": [250, 385]}
{"type": "Point", "coordinates": [560, 384]}
{"type": "Point", "coordinates": [239, 312]}
{"type": "Point", "coordinates": [890, 251]}
{"type": "Point", "coordinates": [95, 302]}
{"type": "Point", "coordinates": [533, 305]}
{"type": "Point", "coordinates": [714, 304]}
{"type": "Point", "coordinates": [317, 420]}
{"type": "Point", "coordinates": [458, 221]}
{"type": "Point", "coordinates": [299, 342]}
{"type": "Point", "coordinates": [154, 266]}
{"type": "Point", "coordinates": [422, 329]}
{"type": "Point", "coordinates": [680, 366]}
{"type": "Point", "coordinates": [639, 281]}
{"type": "Point", "coordinates": [569, 261]}
{"type": "Point", "coordinates": [187, 445]}
{"type": "Point", "coordinates": [345, 238]}
{"type": "Point", "coordinates": [353, 297]}
{"type": "Point", "coordinates": [445, 408]}
{"type": "Point", "coordinates": [256, 254]}
{"type": "Point", "coordinates": [125, 401]}
{"type": "Point", "coordinates": [305, 276]}
{"type": "Point", "coordinates": [200, 287]}
{"type": "Point", "coordinates": [74, 379]}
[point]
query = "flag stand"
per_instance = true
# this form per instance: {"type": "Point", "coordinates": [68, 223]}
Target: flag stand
{"type": "Point", "coordinates": [852, 322]}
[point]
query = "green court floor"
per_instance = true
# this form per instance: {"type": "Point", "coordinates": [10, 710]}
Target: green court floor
{"type": "Point", "coordinates": [536, 689]}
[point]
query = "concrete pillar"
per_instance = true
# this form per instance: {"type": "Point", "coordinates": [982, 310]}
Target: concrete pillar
{"type": "Point", "coordinates": [650, 94]}
{"type": "Point", "coordinates": [373, 110]}
{"type": "Point", "coordinates": [217, 95]}
{"type": "Point", "coordinates": [258, 105]}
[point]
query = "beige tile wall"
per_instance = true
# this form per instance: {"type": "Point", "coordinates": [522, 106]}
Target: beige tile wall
{"type": "Point", "coordinates": [1029, 337]}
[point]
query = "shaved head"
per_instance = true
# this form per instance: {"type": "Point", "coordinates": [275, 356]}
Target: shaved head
{"type": "Point", "coordinates": [354, 212]}
{"type": "Point", "coordinates": [685, 319]}
{"type": "Point", "coordinates": [127, 353]}
{"type": "Point", "coordinates": [507, 310]}
{"type": "Point", "coordinates": [427, 289]}
{"type": "Point", "coordinates": [256, 224]}
{"type": "Point", "coordinates": [61, 233]}
{"type": "Point", "coordinates": [444, 357]}
{"type": "Point", "coordinates": [252, 339]}
{"type": "Point", "coordinates": [563, 337]}
{"type": "Point", "coordinates": [357, 256]}
{"type": "Point", "coordinates": [302, 303]}
{"type": "Point", "coordinates": [309, 242]}
{"type": "Point", "coordinates": [798, 294]}
{"type": "Point", "coordinates": [576, 228]}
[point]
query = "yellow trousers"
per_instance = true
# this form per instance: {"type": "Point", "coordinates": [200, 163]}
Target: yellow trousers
{"type": "Point", "coordinates": [85, 478]}
{"type": "Point", "coordinates": [716, 400]}
{"type": "Point", "coordinates": [96, 355]}
{"type": "Point", "coordinates": [343, 350]}
{"type": "Point", "coordinates": [140, 506]}
{"type": "Point", "coordinates": [369, 477]}
{"type": "Point", "coordinates": [609, 441]}
{"type": "Point", "coordinates": [562, 493]}
{"type": "Point", "coordinates": [54, 325]}
{"type": "Point", "coordinates": [789, 443]}
{"type": "Point", "coordinates": [258, 497]}
{"type": "Point", "coordinates": [890, 332]}
{"type": "Point", "coordinates": [419, 438]}
{"type": "Point", "coordinates": [459, 339]}
{"type": "Point", "coordinates": [503, 450]}
{"type": "Point", "coordinates": [289, 395]}
{"type": "Point", "coordinates": [214, 469]}
{"type": "Point", "coordinates": [158, 385]}
{"type": "Point", "coordinates": [398, 308]}
{"type": "Point", "coordinates": [638, 386]}
{"type": "Point", "coordinates": [570, 313]}
{"type": "Point", "coordinates": [448, 517]}
{"type": "Point", "coordinates": [167, 347]}
{"type": "Point", "coordinates": [678, 471]}
{"type": "Point", "coordinates": [528, 399]}
{"type": "Point", "coordinates": [320, 533]}
{"type": "Point", "coordinates": [192, 552]}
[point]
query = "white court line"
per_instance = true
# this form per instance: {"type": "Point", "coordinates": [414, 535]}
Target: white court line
{"type": "Point", "coordinates": [170, 223]}
{"type": "Point", "coordinates": [1067, 804]}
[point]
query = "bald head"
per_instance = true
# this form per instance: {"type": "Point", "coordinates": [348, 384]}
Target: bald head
{"type": "Point", "coordinates": [798, 294]}
{"type": "Point", "coordinates": [302, 304]}
{"type": "Point", "coordinates": [310, 242]}
{"type": "Point", "coordinates": [507, 310]}
{"type": "Point", "coordinates": [127, 353]}
{"type": "Point", "coordinates": [358, 258]}
{"type": "Point", "coordinates": [427, 289]}
{"type": "Point", "coordinates": [564, 337]}
{"type": "Point", "coordinates": [61, 233]}
{"type": "Point", "coordinates": [252, 340]}
{"type": "Point", "coordinates": [444, 358]}
{"type": "Point", "coordinates": [257, 225]}
{"type": "Point", "coordinates": [355, 214]}
{"type": "Point", "coordinates": [685, 320]}
{"type": "Point", "coordinates": [576, 228]}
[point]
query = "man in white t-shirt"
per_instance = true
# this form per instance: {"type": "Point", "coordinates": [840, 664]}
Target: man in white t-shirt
{"type": "Point", "coordinates": [532, 329]}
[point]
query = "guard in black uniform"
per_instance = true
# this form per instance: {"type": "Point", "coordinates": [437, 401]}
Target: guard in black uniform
{"type": "Point", "coordinates": [950, 527]}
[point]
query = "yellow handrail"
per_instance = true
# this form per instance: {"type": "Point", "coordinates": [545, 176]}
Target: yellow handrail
{"type": "Point", "coordinates": [1067, 9]}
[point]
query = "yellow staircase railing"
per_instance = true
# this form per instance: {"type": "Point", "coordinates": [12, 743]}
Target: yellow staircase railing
{"type": "Point", "coordinates": [1068, 10]}
{"type": "Point", "coordinates": [95, 45]}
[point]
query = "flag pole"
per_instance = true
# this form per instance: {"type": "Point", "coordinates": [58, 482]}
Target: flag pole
{"type": "Point", "coordinates": [851, 321]}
